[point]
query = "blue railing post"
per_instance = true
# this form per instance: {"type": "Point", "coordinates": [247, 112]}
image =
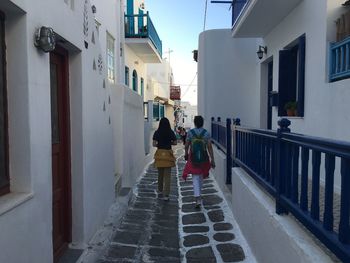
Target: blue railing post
{"type": "Point", "coordinates": [235, 142]}
{"type": "Point", "coordinates": [228, 151]}
{"type": "Point", "coordinates": [218, 130]}
{"type": "Point", "coordinates": [281, 163]}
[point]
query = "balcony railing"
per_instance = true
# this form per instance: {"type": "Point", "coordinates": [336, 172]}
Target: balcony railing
{"type": "Point", "coordinates": [237, 8]}
{"type": "Point", "coordinates": [141, 26]}
{"type": "Point", "coordinates": [300, 171]}
{"type": "Point", "coordinates": [339, 66]}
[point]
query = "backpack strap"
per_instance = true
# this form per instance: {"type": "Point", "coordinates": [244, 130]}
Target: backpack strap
{"type": "Point", "coordinates": [201, 135]}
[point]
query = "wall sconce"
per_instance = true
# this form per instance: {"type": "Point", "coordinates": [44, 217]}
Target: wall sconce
{"type": "Point", "coordinates": [94, 9]}
{"type": "Point", "coordinates": [45, 39]}
{"type": "Point", "coordinates": [261, 51]}
{"type": "Point", "coordinates": [195, 55]}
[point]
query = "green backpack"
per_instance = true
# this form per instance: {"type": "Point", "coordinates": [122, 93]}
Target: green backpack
{"type": "Point", "coordinates": [198, 148]}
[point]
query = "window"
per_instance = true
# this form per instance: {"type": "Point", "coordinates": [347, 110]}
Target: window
{"type": "Point", "coordinates": [126, 76]}
{"type": "Point", "coordinates": [142, 87]}
{"type": "Point", "coordinates": [134, 81]}
{"type": "Point", "coordinates": [161, 111]}
{"type": "Point", "coordinates": [110, 58]}
{"type": "Point", "coordinates": [4, 174]}
{"type": "Point", "coordinates": [156, 111]}
{"type": "Point", "coordinates": [292, 78]}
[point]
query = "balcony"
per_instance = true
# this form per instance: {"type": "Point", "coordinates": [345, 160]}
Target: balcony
{"type": "Point", "coordinates": [142, 37]}
{"type": "Point", "coordinates": [256, 18]}
{"type": "Point", "coordinates": [339, 67]}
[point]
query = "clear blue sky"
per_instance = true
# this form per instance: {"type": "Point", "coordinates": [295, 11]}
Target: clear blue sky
{"type": "Point", "coordinates": [179, 23]}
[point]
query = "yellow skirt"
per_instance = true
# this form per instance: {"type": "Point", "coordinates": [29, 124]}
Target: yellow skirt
{"type": "Point", "coordinates": [164, 158]}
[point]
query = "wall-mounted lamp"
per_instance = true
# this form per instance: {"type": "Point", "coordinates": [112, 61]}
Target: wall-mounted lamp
{"type": "Point", "coordinates": [45, 39]}
{"type": "Point", "coordinates": [261, 51]}
{"type": "Point", "coordinates": [94, 9]}
{"type": "Point", "coordinates": [195, 55]}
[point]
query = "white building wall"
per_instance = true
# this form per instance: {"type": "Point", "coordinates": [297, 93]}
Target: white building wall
{"type": "Point", "coordinates": [189, 112]}
{"type": "Point", "coordinates": [133, 62]}
{"type": "Point", "coordinates": [161, 77]}
{"type": "Point", "coordinates": [30, 137]}
{"type": "Point", "coordinates": [223, 91]}
{"type": "Point", "coordinates": [325, 103]}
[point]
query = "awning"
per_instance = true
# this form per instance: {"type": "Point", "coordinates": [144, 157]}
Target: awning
{"type": "Point", "coordinates": [165, 101]}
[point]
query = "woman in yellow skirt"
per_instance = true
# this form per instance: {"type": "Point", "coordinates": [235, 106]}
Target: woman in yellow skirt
{"type": "Point", "coordinates": [164, 158]}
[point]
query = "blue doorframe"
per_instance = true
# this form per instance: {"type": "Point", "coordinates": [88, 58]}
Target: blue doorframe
{"type": "Point", "coordinates": [130, 12]}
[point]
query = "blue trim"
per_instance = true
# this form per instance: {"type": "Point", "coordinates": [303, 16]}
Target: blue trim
{"type": "Point", "coordinates": [146, 31]}
{"type": "Point", "coordinates": [134, 81]}
{"type": "Point", "coordinates": [281, 179]}
{"type": "Point", "coordinates": [339, 60]}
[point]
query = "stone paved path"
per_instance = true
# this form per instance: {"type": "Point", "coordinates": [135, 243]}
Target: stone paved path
{"type": "Point", "coordinates": [153, 230]}
{"type": "Point", "coordinates": [148, 232]}
{"type": "Point", "coordinates": [209, 234]}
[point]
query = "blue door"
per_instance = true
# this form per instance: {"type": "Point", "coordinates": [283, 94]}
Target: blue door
{"type": "Point", "coordinates": [130, 13]}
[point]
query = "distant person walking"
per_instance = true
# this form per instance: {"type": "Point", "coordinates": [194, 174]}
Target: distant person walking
{"type": "Point", "coordinates": [198, 149]}
{"type": "Point", "coordinates": [164, 158]}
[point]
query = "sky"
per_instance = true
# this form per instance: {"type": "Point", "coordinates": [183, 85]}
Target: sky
{"type": "Point", "coordinates": [179, 23]}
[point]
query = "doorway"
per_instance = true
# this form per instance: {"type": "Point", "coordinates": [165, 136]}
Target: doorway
{"type": "Point", "coordinates": [61, 178]}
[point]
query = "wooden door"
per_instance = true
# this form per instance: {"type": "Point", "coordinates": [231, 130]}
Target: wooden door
{"type": "Point", "coordinates": [61, 197]}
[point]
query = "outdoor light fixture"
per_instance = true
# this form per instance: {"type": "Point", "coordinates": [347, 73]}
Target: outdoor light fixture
{"type": "Point", "coordinates": [94, 9]}
{"type": "Point", "coordinates": [261, 51]}
{"type": "Point", "coordinates": [195, 55]}
{"type": "Point", "coordinates": [45, 39]}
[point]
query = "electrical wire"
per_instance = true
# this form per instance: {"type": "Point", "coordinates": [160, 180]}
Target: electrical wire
{"type": "Point", "coordinates": [188, 88]}
{"type": "Point", "coordinates": [205, 14]}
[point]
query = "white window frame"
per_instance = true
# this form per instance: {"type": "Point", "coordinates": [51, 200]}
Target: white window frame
{"type": "Point", "coordinates": [110, 44]}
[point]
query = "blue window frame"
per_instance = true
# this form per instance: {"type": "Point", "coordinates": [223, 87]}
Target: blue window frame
{"type": "Point", "coordinates": [134, 81]}
{"type": "Point", "coordinates": [126, 76]}
{"type": "Point", "coordinates": [142, 86]}
{"type": "Point", "coordinates": [292, 77]}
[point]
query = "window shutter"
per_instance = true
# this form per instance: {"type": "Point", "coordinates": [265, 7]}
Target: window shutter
{"type": "Point", "coordinates": [285, 62]}
{"type": "Point", "coordinates": [301, 76]}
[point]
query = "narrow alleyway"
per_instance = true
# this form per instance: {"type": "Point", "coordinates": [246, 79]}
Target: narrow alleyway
{"type": "Point", "coordinates": [154, 230]}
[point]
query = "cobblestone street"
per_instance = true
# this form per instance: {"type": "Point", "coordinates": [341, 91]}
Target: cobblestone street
{"type": "Point", "coordinates": [154, 230]}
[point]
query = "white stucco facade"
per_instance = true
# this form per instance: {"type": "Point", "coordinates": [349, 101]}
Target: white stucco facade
{"type": "Point", "coordinates": [105, 117]}
{"type": "Point", "coordinates": [227, 77]}
{"type": "Point", "coordinates": [246, 92]}
{"type": "Point", "coordinates": [189, 112]}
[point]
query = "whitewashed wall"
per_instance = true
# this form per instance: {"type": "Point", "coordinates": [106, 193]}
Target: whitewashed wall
{"type": "Point", "coordinates": [135, 63]}
{"type": "Point", "coordinates": [30, 137]}
{"type": "Point", "coordinates": [227, 77]}
{"type": "Point", "coordinates": [325, 103]}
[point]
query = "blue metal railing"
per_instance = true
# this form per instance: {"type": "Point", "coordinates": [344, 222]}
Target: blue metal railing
{"type": "Point", "coordinates": [339, 61]}
{"type": "Point", "coordinates": [238, 7]}
{"type": "Point", "coordinates": [221, 135]}
{"type": "Point", "coordinates": [279, 161]}
{"type": "Point", "coordinates": [141, 26]}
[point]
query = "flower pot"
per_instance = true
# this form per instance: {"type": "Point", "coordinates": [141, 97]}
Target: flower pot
{"type": "Point", "coordinates": [291, 112]}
